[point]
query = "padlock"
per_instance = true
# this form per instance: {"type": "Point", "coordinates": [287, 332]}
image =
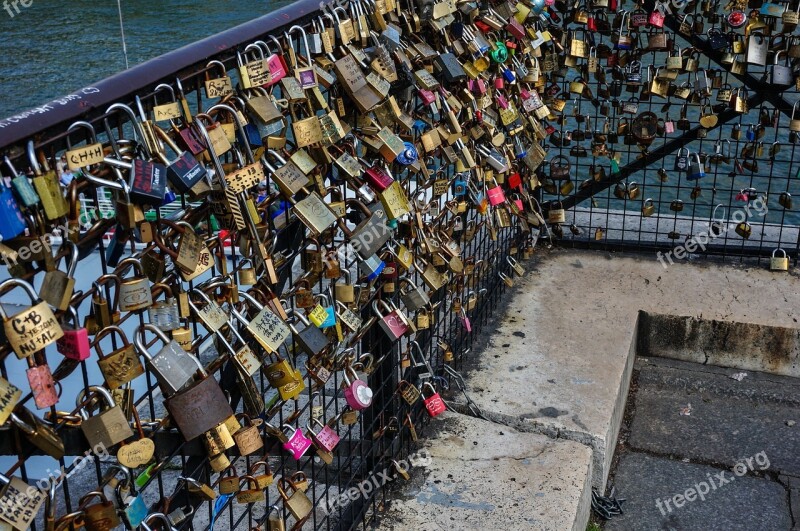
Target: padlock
{"type": "Point", "coordinates": [557, 214]}
{"type": "Point", "coordinates": [134, 293]}
{"type": "Point", "coordinates": [199, 407]}
{"type": "Point", "coordinates": [108, 427]}
{"type": "Point", "coordinates": [297, 444]}
{"type": "Point", "coordinates": [779, 263]}
{"type": "Point", "coordinates": [164, 315]}
{"type": "Point", "coordinates": [248, 437]}
{"type": "Point", "coordinates": [326, 438]}
{"type": "Point", "coordinates": [409, 392]}
{"type": "Point", "coordinates": [228, 481]}
{"type": "Point", "coordinates": [744, 229]}
{"type": "Point", "coordinates": [297, 503]}
{"type": "Point", "coordinates": [264, 479]}
{"type": "Point", "coordinates": [648, 207]}
{"type": "Point", "coordinates": [173, 366]}
{"type": "Point", "coordinates": [757, 47]}
{"type": "Point", "coordinates": [21, 184]}
{"type": "Point", "coordinates": [311, 339]}
{"type": "Point", "coordinates": [785, 200]}
{"type": "Point", "coordinates": [696, 169]}
{"type": "Point", "coordinates": [392, 323]}
{"type": "Point", "coordinates": [433, 403]}
{"type": "Point", "coordinates": [252, 494]}
{"type": "Point", "coordinates": [357, 393]}
{"type": "Point", "coordinates": [122, 365]}
{"type": "Point", "coordinates": [38, 433]}
{"type": "Point", "coordinates": [32, 329]}
{"type": "Point", "coordinates": [414, 297]}
{"type": "Point", "coordinates": [101, 516]}
{"type": "Point", "coordinates": [681, 160]}
{"type": "Point", "coordinates": [781, 75]}
{"type": "Point", "coordinates": [74, 344]}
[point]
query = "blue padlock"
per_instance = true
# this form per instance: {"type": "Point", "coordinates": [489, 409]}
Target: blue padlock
{"type": "Point", "coordinates": [12, 224]}
{"type": "Point", "coordinates": [409, 155]}
{"type": "Point", "coordinates": [253, 135]}
{"type": "Point", "coordinates": [696, 169]}
{"type": "Point", "coordinates": [330, 320]}
{"type": "Point", "coordinates": [459, 186]}
{"type": "Point", "coordinates": [509, 75]}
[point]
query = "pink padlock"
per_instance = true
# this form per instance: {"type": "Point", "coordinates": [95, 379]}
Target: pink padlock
{"type": "Point", "coordinates": [276, 64]}
{"type": "Point", "coordinates": [496, 195]}
{"type": "Point", "coordinates": [326, 438]}
{"type": "Point", "coordinates": [297, 444]}
{"type": "Point", "coordinates": [501, 101]}
{"type": "Point", "coordinates": [42, 385]}
{"type": "Point", "coordinates": [465, 321]}
{"type": "Point", "coordinates": [499, 83]}
{"type": "Point", "coordinates": [358, 394]}
{"type": "Point", "coordinates": [75, 342]}
{"type": "Point", "coordinates": [427, 96]}
{"type": "Point", "coordinates": [392, 323]}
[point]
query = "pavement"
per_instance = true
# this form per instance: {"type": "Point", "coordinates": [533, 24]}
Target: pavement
{"type": "Point", "coordinates": [704, 450]}
{"type": "Point", "coordinates": [558, 364]}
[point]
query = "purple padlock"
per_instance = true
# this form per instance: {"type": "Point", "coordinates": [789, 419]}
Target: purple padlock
{"type": "Point", "coordinates": [297, 444]}
{"type": "Point", "coordinates": [326, 438]}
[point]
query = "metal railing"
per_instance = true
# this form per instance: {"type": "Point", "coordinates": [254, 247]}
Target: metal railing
{"type": "Point", "coordinates": [384, 432]}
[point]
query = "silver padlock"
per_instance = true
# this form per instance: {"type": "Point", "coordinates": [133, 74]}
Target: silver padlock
{"type": "Point", "coordinates": [173, 366]}
{"type": "Point", "coordinates": [782, 74]}
{"type": "Point", "coordinates": [757, 45]}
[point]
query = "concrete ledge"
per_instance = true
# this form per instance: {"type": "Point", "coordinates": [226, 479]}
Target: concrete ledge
{"type": "Point", "coordinates": [559, 360]}
{"type": "Point", "coordinates": [745, 346]}
{"type": "Point", "coordinates": [485, 476]}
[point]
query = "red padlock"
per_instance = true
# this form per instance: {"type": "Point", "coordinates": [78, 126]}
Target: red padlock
{"type": "Point", "coordinates": [75, 342]}
{"type": "Point", "coordinates": [514, 181]}
{"type": "Point", "coordinates": [378, 178]}
{"type": "Point", "coordinates": [434, 403]}
{"type": "Point", "coordinates": [656, 18]}
{"type": "Point", "coordinates": [591, 23]}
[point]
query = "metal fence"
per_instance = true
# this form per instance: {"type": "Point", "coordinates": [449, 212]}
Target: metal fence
{"type": "Point", "coordinates": [379, 439]}
{"type": "Point", "coordinates": [641, 201]}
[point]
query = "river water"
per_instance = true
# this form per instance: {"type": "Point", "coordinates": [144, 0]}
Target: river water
{"type": "Point", "coordinates": [52, 47]}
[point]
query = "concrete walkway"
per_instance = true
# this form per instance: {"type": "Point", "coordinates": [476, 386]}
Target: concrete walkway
{"type": "Point", "coordinates": [707, 451]}
{"type": "Point", "coordinates": [558, 365]}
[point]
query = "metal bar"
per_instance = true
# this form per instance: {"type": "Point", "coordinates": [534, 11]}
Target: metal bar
{"type": "Point", "coordinates": [652, 156]}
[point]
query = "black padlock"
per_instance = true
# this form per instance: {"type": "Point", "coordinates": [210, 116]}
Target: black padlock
{"type": "Point", "coordinates": [148, 182]}
{"type": "Point", "coordinates": [681, 160]}
{"type": "Point", "coordinates": [449, 68]}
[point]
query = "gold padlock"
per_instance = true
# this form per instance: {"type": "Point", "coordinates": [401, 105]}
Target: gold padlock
{"type": "Point", "coordinates": [33, 329]}
{"type": "Point", "coordinates": [779, 263]}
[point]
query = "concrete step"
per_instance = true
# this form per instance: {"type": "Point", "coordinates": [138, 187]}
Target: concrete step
{"type": "Point", "coordinates": [481, 475]}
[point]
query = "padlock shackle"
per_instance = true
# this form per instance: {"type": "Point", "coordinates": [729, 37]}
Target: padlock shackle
{"type": "Point", "coordinates": [139, 338]}
{"type": "Point", "coordinates": [84, 397]}
{"type": "Point", "coordinates": [251, 300]}
{"type": "Point", "coordinates": [221, 107]}
{"type": "Point", "coordinates": [104, 332]}
{"type": "Point", "coordinates": [11, 283]}
{"type": "Point", "coordinates": [161, 516]}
